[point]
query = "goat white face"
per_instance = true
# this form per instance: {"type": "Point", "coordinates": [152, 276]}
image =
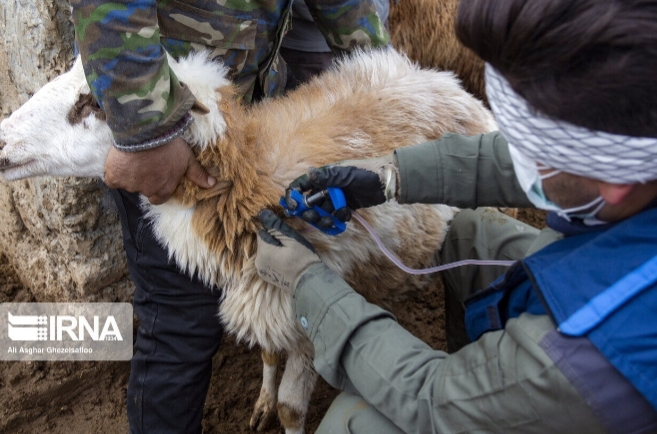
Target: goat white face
{"type": "Point", "coordinates": [60, 131]}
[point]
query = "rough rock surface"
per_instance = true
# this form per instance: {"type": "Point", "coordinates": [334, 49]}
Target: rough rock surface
{"type": "Point", "coordinates": [62, 236]}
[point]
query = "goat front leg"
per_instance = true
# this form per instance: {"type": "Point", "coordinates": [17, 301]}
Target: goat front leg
{"type": "Point", "coordinates": [266, 403]}
{"type": "Point", "coordinates": [296, 388]}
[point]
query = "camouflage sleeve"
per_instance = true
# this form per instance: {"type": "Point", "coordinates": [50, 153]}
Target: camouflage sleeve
{"type": "Point", "coordinates": [127, 70]}
{"type": "Point", "coordinates": [347, 24]}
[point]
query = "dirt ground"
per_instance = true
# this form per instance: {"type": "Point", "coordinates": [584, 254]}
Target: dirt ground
{"type": "Point", "coordinates": [89, 397]}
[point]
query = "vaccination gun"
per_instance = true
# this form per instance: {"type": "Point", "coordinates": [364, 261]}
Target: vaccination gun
{"type": "Point", "coordinates": [305, 203]}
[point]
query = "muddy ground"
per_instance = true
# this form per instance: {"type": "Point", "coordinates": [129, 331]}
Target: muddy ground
{"type": "Point", "coordinates": [89, 397]}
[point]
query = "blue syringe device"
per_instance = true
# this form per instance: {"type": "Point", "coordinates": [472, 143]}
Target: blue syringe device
{"type": "Point", "coordinates": [305, 203]}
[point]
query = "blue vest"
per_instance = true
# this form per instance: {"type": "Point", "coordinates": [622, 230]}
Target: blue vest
{"type": "Point", "coordinates": [601, 285]}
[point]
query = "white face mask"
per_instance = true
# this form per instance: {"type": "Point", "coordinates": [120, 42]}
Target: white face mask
{"type": "Point", "coordinates": [530, 181]}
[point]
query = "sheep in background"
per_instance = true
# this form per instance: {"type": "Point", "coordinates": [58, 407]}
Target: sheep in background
{"type": "Point", "coordinates": [367, 105]}
{"type": "Point", "coordinates": [424, 30]}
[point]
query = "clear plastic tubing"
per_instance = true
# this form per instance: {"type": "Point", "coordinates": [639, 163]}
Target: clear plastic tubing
{"type": "Point", "coordinates": [444, 267]}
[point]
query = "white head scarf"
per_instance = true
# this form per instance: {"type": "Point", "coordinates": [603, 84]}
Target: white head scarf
{"type": "Point", "coordinates": [607, 157]}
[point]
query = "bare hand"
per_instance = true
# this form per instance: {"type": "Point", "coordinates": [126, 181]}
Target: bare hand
{"type": "Point", "coordinates": [156, 172]}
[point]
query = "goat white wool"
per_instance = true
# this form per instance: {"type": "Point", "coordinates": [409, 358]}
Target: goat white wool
{"type": "Point", "coordinates": [613, 158]}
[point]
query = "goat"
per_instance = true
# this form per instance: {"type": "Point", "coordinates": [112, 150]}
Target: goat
{"type": "Point", "coordinates": [367, 105]}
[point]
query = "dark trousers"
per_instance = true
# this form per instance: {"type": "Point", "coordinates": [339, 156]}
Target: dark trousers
{"type": "Point", "coordinates": [179, 332]}
{"type": "Point", "coordinates": [304, 65]}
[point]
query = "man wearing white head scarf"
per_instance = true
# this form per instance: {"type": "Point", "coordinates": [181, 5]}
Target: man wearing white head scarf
{"type": "Point", "coordinates": [565, 340]}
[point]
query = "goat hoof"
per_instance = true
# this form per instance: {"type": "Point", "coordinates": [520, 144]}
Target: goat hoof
{"type": "Point", "coordinates": [262, 414]}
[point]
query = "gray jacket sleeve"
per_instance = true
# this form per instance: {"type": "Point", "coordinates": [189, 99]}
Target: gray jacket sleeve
{"type": "Point", "coordinates": [504, 382]}
{"type": "Point", "coordinates": [461, 171]}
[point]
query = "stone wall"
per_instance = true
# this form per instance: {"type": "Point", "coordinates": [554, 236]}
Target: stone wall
{"type": "Point", "coordinates": [62, 235]}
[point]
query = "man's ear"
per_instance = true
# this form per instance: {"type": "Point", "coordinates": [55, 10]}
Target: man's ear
{"type": "Point", "coordinates": [614, 194]}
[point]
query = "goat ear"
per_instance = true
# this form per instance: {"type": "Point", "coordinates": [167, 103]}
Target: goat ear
{"type": "Point", "coordinates": [198, 107]}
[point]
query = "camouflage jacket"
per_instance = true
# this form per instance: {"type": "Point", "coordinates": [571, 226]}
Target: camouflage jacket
{"type": "Point", "coordinates": [122, 44]}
